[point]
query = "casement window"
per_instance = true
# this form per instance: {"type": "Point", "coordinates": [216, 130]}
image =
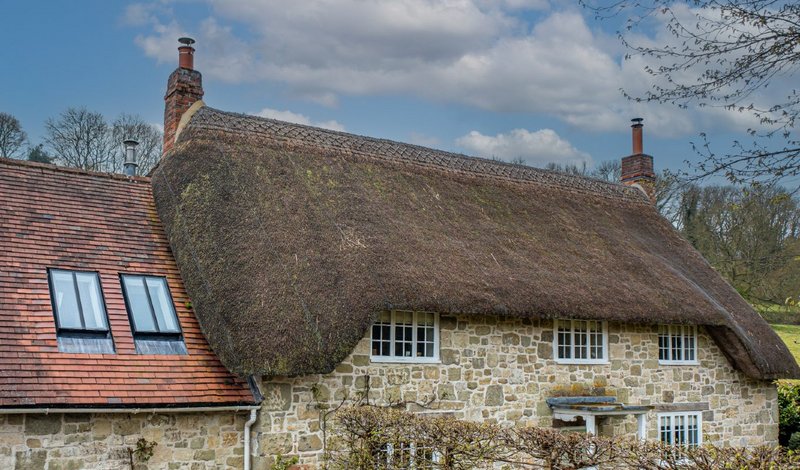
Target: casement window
{"type": "Point", "coordinates": [400, 336]}
{"type": "Point", "coordinates": [152, 315]}
{"type": "Point", "coordinates": [677, 344]}
{"type": "Point", "coordinates": [411, 456]}
{"type": "Point", "coordinates": [681, 429]}
{"type": "Point", "coordinates": [580, 342]}
{"type": "Point", "coordinates": [80, 312]}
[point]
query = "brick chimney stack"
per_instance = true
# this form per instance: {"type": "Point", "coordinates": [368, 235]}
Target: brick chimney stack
{"type": "Point", "coordinates": [637, 168]}
{"type": "Point", "coordinates": [184, 88]}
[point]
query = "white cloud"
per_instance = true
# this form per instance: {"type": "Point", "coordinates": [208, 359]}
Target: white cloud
{"type": "Point", "coordinates": [476, 52]}
{"type": "Point", "coordinates": [536, 148]}
{"type": "Point", "coordinates": [297, 118]}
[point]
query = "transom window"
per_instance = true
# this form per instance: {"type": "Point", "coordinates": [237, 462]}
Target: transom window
{"type": "Point", "coordinates": [580, 342]}
{"type": "Point", "coordinates": [400, 336]}
{"type": "Point", "coordinates": [152, 314]}
{"type": "Point", "coordinates": [681, 429]}
{"type": "Point", "coordinates": [677, 344]}
{"type": "Point", "coordinates": [80, 312]}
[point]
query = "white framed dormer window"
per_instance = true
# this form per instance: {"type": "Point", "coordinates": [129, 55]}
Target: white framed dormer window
{"type": "Point", "coordinates": [401, 336]}
{"type": "Point", "coordinates": [580, 342]}
{"type": "Point", "coordinates": [677, 344]}
{"type": "Point", "coordinates": [683, 429]}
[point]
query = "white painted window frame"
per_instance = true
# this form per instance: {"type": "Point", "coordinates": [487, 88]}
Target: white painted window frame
{"type": "Point", "coordinates": [685, 414]}
{"type": "Point", "coordinates": [412, 359]}
{"type": "Point", "coordinates": [572, 360]}
{"type": "Point", "coordinates": [436, 456]}
{"type": "Point", "coordinates": [672, 362]}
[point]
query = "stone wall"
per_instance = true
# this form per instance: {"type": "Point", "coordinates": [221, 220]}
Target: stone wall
{"type": "Point", "coordinates": [197, 441]}
{"type": "Point", "coordinates": [503, 370]}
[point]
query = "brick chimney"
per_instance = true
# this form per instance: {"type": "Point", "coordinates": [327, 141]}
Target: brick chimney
{"type": "Point", "coordinates": [637, 168]}
{"type": "Point", "coordinates": [184, 87]}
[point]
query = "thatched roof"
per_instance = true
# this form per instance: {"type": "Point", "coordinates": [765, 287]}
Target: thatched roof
{"type": "Point", "coordinates": [291, 239]}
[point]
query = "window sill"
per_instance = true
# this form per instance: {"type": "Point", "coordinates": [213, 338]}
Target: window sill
{"type": "Point", "coordinates": [405, 360]}
{"type": "Point", "coordinates": [583, 362]}
{"type": "Point", "coordinates": [679, 363]}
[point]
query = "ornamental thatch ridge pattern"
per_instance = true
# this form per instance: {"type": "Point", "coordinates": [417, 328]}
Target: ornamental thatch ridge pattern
{"type": "Point", "coordinates": [324, 139]}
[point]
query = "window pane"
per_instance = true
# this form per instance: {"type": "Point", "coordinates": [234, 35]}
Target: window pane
{"type": "Point", "coordinates": [690, 346]}
{"type": "Point", "coordinates": [677, 349]}
{"type": "Point", "coordinates": [664, 430]}
{"type": "Point", "coordinates": [162, 303]}
{"type": "Point", "coordinates": [65, 300]}
{"type": "Point", "coordinates": [91, 301]}
{"type": "Point", "coordinates": [581, 340]}
{"type": "Point", "coordinates": [693, 431]}
{"type": "Point", "coordinates": [403, 334]}
{"type": "Point", "coordinates": [140, 307]}
{"type": "Point", "coordinates": [663, 344]}
{"type": "Point", "coordinates": [564, 340]}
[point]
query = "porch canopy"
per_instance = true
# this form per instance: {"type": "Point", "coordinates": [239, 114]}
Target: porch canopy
{"type": "Point", "coordinates": [589, 408]}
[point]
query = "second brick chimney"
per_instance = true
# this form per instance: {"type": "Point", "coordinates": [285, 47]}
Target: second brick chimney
{"type": "Point", "coordinates": [637, 168]}
{"type": "Point", "coordinates": [184, 88]}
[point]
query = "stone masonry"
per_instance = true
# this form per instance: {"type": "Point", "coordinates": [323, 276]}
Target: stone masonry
{"type": "Point", "coordinates": [196, 441]}
{"type": "Point", "coordinates": [502, 369]}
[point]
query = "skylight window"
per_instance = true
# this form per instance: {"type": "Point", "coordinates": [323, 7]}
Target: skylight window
{"type": "Point", "coordinates": [152, 314]}
{"type": "Point", "coordinates": [80, 313]}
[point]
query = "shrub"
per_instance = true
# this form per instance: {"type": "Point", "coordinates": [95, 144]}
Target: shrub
{"type": "Point", "coordinates": [371, 437]}
{"type": "Point", "coordinates": [789, 409]}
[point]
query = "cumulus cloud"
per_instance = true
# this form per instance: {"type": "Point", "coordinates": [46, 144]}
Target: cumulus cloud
{"type": "Point", "coordinates": [535, 148]}
{"type": "Point", "coordinates": [297, 118]}
{"type": "Point", "coordinates": [475, 52]}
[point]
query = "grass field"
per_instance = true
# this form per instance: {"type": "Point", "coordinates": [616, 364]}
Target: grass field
{"type": "Point", "coordinates": [790, 334]}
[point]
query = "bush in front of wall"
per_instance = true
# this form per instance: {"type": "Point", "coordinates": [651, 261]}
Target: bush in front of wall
{"type": "Point", "coordinates": [369, 437]}
{"type": "Point", "coordinates": [789, 410]}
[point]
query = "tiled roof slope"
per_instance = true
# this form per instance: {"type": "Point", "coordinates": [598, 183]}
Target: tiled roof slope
{"type": "Point", "coordinates": [63, 218]}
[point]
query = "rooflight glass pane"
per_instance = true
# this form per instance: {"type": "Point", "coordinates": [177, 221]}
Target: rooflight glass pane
{"type": "Point", "coordinates": [162, 303]}
{"type": "Point", "coordinates": [65, 300]}
{"type": "Point", "coordinates": [94, 315]}
{"type": "Point", "coordinates": [140, 307]}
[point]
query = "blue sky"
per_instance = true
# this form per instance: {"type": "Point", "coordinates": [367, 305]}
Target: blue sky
{"type": "Point", "coordinates": [535, 79]}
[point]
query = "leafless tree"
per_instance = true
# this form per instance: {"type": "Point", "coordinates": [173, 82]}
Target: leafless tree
{"type": "Point", "coordinates": [131, 126]}
{"type": "Point", "coordinates": [80, 138]}
{"type": "Point", "coordinates": [724, 53]}
{"type": "Point", "coordinates": [12, 137]}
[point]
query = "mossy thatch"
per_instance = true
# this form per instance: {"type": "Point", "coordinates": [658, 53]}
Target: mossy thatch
{"type": "Point", "coordinates": [291, 239]}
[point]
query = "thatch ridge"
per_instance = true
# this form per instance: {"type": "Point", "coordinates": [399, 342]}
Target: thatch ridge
{"type": "Point", "coordinates": [290, 239]}
{"type": "Point", "coordinates": [330, 140]}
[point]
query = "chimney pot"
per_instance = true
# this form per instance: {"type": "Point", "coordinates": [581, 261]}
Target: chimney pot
{"type": "Point", "coordinates": [130, 157]}
{"type": "Point", "coordinates": [636, 131]}
{"type": "Point", "coordinates": [186, 53]}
